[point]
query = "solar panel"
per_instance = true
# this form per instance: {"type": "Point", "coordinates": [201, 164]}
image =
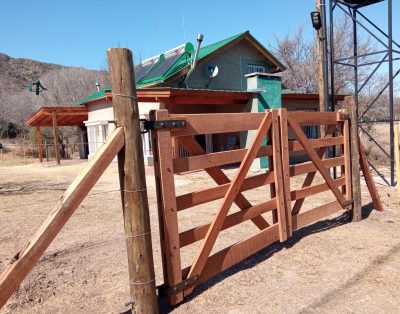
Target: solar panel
{"type": "Point", "coordinates": [143, 68]}
{"type": "Point", "coordinates": [170, 58]}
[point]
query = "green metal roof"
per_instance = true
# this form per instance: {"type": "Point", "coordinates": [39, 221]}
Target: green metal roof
{"type": "Point", "coordinates": [165, 69]}
{"type": "Point", "coordinates": [205, 51]}
{"type": "Point", "coordinates": [99, 94]}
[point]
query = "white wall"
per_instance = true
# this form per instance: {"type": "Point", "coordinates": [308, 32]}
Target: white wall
{"type": "Point", "coordinates": [100, 124]}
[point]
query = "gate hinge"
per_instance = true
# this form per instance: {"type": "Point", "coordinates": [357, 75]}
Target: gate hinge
{"type": "Point", "coordinates": [148, 125]}
{"type": "Point", "coordinates": [164, 290]}
{"type": "Point", "coordinates": [348, 203]}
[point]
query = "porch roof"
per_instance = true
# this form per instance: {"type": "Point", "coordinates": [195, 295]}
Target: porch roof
{"type": "Point", "coordinates": [65, 116]}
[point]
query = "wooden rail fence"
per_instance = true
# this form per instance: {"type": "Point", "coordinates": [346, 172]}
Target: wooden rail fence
{"type": "Point", "coordinates": [285, 202]}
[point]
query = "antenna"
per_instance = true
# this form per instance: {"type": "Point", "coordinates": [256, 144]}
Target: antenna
{"type": "Point", "coordinates": [156, 32]}
{"type": "Point", "coordinates": [183, 24]}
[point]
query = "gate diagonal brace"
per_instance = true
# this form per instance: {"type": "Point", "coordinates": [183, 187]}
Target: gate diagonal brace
{"type": "Point", "coordinates": [147, 125]}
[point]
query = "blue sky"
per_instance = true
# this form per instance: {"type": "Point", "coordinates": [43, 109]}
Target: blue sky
{"type": "Point", "coordinates": [78, 32]}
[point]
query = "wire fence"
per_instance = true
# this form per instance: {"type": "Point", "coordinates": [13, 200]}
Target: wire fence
{"type": "Point", "coordinates": [15, 152]}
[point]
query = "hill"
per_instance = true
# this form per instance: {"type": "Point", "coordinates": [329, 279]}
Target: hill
{"type": "Point", "coordinates": [65, 86]}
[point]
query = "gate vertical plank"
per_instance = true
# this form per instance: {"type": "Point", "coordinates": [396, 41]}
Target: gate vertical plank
{"type": "Point", "coordinates": [347, 159]}
{"type": "Point", "coordinates": [368, 178]}
{"type": "Point", "coordinates": [272, 189]}
{"type": "Point", "coordinates": [317, 161]}
{"type": "Point", "coordinates": [213, 231]}
{"type": "Point", "coordinates": [285, 168]}
{"type": "Point", "coordinates": [280, 198]}
{"type": "Point", "coordinates": [167, 205]}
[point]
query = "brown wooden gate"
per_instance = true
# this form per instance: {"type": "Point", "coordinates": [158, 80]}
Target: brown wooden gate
{"type": "Point", "coordinates": [285, 136]}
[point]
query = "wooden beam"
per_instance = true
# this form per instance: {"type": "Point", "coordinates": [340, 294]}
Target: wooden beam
{"type": "Point", "coordinates": [133, 183]}
{"type": "Point", "coordinates": [27, 257]}
{"type": "Point", "coordinates": [211, 194]}
{"type": "Point", "coordinates": [347, 158]}
{"type": "Point", "coordinates": [211, 160]}
{"type": "Point", "coordinates": [195, 234]}
{"type": "Point", "coordinates": [369, 180]}
{"type": "Point", "coordinates": [167, 208]}
{"type": "Point", "coordinates": [284, 140]}
{"type": "Point", "coordinates": [355, 158]}
{"type": "Point", "coordinates": [236, 253]}
{"type": "Point", "coordinates": [279, 187]}
{"type": "Point", "coordinates": [218, 221]}
{"type": "Point", "coordinates": [216, 123]}
{"type": "Point", "coordinates": [55, 138]}
{"type": "Point", "coordinates": [303, 219]}
{"type": "Point", "coordinates": [39, 144]}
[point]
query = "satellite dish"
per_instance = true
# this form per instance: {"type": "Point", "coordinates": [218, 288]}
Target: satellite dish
{"type": "Point", "coordinates": [211, 70]}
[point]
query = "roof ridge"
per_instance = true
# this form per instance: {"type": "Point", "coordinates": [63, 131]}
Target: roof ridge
{"type": "Point", "coordinates": [230, 38]}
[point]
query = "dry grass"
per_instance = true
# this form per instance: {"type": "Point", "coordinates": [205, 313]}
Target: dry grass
{"type": "Point", "coordinates": [330, 266]}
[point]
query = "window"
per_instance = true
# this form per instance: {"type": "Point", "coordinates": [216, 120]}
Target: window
{"type": "Point", "coordinates": [310, 131]}
{"type": "Point", "coordinates": [97, 135]}
{"type": "Point", "coordinates": [253, 68]}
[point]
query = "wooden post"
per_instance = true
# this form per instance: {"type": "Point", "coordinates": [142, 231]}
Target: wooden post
{"type": "Point", "coordinates": [39, 143]}
{"type": "Point", "coordinates": [355, 158]}
{"type": "Point", "coordinates": [133, 183]}
{"type": "Point", "coordinates": [320, 71]}
{"type": "Point", "coordinates": [397, 156]}
{"type": "Point", "coordinates": [46, 148]}
{"type": "Point", "coordinates": [55, 136]}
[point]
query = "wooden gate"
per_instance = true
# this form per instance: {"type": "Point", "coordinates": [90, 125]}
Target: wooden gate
{"type": "Point", "coordinates": [284, 135]}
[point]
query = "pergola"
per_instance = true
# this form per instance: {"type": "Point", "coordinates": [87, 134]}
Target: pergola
{"type": "Point", "coordinates": [54, 117]}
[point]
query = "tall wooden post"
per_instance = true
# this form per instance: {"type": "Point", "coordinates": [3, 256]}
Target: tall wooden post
{"type": "Point", "coordinates": [133, 183]}
{"type": "Point", "coordinates": [397, 156]}
{"type": "Point", "coordinates": [320, 69]}
{"type": "Point", "coordinates": [39, 143]}
{"type": "Point", "coordinates": [355, 158]}
{"type": "Point", "coordinates": [55, 137]}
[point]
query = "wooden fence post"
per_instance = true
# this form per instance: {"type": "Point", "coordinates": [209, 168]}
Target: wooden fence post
{"type": "Point", "coordinates": [46, 148]}
{"type": "Point", "coordinates": [55, 137]}
{"type": "Point", "coordinates": [397, 156]}
{"type": "Point", "coordinates": [355, 158]}
{"type": "Point", "coordinates": [39, 143]}
{"type": "Point", "coordinates": [133, 183]}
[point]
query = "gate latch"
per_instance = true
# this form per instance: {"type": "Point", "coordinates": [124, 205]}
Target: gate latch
{"type": "Point", "coordinates": [165, 290]}
{"type": "Point", "coordinates": [147, 125]}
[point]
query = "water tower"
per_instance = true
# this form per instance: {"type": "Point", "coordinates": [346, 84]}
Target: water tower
{"type": "Point", "coordinates": [384, 37]}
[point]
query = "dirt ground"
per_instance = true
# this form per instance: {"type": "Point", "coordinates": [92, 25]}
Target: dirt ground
{"type": "Point", "coordinates": [330, 266]}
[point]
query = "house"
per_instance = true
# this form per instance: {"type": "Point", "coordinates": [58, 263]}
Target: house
{"type": "Point", "coordinates": [237, 74]}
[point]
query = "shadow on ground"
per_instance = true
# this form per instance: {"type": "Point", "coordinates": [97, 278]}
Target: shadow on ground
{"type": "Point", "coordinates": [269, 251]}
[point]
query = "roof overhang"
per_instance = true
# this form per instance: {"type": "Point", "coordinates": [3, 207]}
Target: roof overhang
{"type": "Point", "coordinates": [297, 96]}
{"type": "Point", "coordinates": [65, 116]}
{"type": "Point", "coordinates": [179, 96]}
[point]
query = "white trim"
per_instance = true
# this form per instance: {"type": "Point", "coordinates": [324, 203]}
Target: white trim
{"type": "Point", "coordinates": [96, 122]}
